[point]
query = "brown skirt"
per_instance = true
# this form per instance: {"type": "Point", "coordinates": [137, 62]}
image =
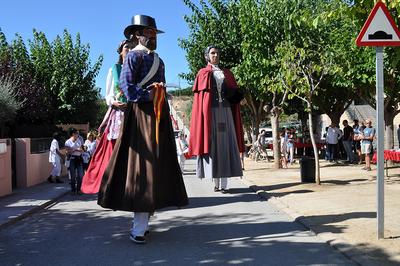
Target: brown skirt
{"type": "Point", "coordinates": [136, 179]}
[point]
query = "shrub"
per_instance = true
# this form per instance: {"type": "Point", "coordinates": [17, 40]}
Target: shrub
{"type": "Point", "coordinates": [8, 100]}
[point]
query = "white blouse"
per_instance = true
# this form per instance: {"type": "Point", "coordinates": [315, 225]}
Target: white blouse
{"type": "Point", "coordinates": [110, 96]}
{"type": "Point", "coordinates": [219, 79]}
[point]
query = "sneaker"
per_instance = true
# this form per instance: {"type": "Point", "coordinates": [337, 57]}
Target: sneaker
{"type": "Point", "coordinates": [216, 189]}
{"type": "Point", "coordinates": [50, 180]}
{"type": "Point", "coordinates": [224, 190]}
{"type": "Point", "coordinates": [137, 239]}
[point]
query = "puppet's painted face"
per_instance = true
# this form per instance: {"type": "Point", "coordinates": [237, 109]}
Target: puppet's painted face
{"type": "Point", "coordinates": [213, 56]}
{"type": "Point", "coordinates": [148, 38]}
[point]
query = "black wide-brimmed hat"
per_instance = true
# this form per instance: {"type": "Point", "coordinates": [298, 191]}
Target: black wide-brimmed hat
{"type": "Point", "coordinates": [140, 22]}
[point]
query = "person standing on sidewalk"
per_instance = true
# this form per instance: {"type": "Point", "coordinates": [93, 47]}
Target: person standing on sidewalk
{"type": "Point", "coordinates": [356, 140]}
{"type": "Point", "coordinates": [143, 174]}
{"type": "Point", "coordinates": [332, 139]}
{"type": "Point", "coordinates": [398, 135]}
{"type": "Point", "coordinates": [348, 135]}
{"type": "Point", "coordinates": [55, 159]}
{"type": "Point", "coordinates": [366, 143]}
{"type": "Point", "coordinates": [216, 130]}
{"type": "Point", "coordinates": [74, 145]}
{"type": "Point", "coordinates": [181, 149]}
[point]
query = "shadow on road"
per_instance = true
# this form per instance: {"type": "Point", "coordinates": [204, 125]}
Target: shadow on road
{"type": "Point", "coordinates": [89, 235]}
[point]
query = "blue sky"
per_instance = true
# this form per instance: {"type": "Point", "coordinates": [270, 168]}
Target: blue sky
{"type": "Point", "coordinates": [101, 24]}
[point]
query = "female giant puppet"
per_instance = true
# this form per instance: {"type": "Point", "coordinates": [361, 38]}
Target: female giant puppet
{"type": "Point", "coordinates": [216, 131]}
{"type": "Point", "coordinates": [112, 122]}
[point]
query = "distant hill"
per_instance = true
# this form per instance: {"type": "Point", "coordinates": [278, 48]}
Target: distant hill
{"type": "Point", "coordinates": [182, 92]}
{"type": "Point", "coordinates": [183, 106]}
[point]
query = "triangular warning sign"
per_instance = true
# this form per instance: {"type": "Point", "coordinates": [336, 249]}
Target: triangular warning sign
{"type": "Point", "coordinates": [379, 29]}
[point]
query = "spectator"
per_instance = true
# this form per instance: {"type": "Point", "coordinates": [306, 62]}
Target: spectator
{"type": "Point", "coordinates": [332, 139]}
{"type": "Point", "coordinates": [55, 159]}
{"type": "Point", "coordinates": [366, 143]}
{"type": "Point", "coordinates": [283, 142]}
{"type": "Point", "coordinates": [181, 149]}
{"type": "Point", "coordinates": [398, 135]}
{"type": "Point", "coordinates": [356, 139]}
{"type": "Point", "coordinates": [291, 137]}
{"type": "Point", "coordinates": [74, 149]}
{"type": "Point", "coordinates": [348, 135]}
{"type": "Point", "coordinates": [90, 143]}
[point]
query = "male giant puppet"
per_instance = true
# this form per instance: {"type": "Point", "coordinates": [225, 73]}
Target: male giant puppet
{"type": "Point", "coordinates": [143, 174]}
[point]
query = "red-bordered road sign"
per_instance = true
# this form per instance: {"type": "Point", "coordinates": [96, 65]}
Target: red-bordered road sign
{"type": "Point", "coordinates": [379, 29]}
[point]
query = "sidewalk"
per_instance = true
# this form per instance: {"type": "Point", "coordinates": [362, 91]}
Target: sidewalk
{"type": "Point", "coordinates": [341, 210]}
{"type": "Point", "coordinates": [25, 201]}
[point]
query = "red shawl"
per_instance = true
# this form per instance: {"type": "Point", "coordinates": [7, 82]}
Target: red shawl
{"type": "Point", "coordinates": [200, 124]}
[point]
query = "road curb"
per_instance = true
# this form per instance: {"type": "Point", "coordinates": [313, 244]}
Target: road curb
{"type": "Point", "coordinates": [329, 238]}
{"type": "Point", "coordinates": [32, 211]}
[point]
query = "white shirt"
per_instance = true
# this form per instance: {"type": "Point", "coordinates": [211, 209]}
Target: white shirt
{"type": "Point", "coordinates": [333, 135]}
{"type": "Point", "coordinates": [219, 79]}
{"type": "Point", "coordinates": [74, 145]}
{"type": "Point", "coordinates": [91, 146]}
{"type": "Point", "coordinates": [53, 156]}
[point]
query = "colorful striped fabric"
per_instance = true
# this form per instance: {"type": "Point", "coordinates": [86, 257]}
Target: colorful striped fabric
{"type": "Point", "coordinates": [158, 101]}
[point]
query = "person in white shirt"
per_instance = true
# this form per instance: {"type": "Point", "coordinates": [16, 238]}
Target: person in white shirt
{"type": "Point", "coordinates": [88, 150]}
{"type": "Point", "coordinates": [74, 149]}
{"type": "Point", "coordinates": [332, 138]}
{"type": "Point", "coordinates": [181, 149]}
{"type": "Point", "coordinates": [90, 143]}
{"type": "Point", "coordinates": [55, 159]}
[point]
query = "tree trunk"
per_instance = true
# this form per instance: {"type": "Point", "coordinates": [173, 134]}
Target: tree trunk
{"type": "Point", "coordinates": [248, 133]}
{"type": "Point", "coordinates": [335, 118]}
{"type": "Point", "coordinates": [389, 129]}
{"type": "Point", "coordinates": [275, 112]}
{"type": "Point", "coordinates": [389, 141]}
{"type": "Point", "coordinates": [255, 126]}
{"type": "Point", "coordinates": [314, 144]}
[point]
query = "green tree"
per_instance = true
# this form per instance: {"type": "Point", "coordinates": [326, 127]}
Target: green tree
{"type": "Point", "coordinates": [28, 90]}
{"type": "Point", "coordinates": [73, 80]}
{"type": "Point", "coordinates": [212, 22]}
{"type": "Point", "coordinates": [55, 80]}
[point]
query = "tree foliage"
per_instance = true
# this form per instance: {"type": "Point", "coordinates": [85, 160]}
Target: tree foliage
{"type": "Point", "coordinates": [56, 80]}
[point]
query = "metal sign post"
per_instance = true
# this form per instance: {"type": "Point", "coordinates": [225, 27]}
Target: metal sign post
{"type": "Point", "coordinates": [380, 133]}
{"type": "Point", "coordinates": [379, 31]}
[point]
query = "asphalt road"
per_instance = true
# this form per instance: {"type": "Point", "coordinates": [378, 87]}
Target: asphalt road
{"type": "Point", "coordinates": [238, 228]}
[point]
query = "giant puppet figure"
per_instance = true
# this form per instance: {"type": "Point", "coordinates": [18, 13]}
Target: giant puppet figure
{"type": "Point", "coordinates": [112, 124]}
{"type": "Point", "coordinates": [216, 131]}
{"type": "Point", "coordinates": [143, 174]}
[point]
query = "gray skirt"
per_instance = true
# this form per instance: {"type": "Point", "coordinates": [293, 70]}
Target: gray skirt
{"type": "Point", "coordinates": [224, 159]}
